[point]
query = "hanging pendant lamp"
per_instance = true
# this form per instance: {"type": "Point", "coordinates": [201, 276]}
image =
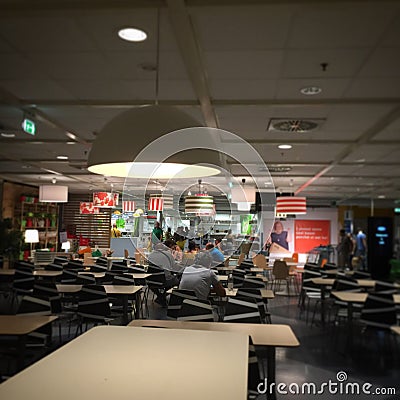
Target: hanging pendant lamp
{"type": "Point", "coordinates": [291, 205]}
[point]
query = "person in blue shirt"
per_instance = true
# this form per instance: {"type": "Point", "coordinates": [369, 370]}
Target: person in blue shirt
{"type": "Point", "coordinates": [217, 256]}
{"type": "Point", "coordinates": [361, 247]}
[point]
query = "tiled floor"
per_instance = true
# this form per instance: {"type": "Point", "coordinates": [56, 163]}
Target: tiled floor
{"type": "Point", "coordinates": [320, 357]}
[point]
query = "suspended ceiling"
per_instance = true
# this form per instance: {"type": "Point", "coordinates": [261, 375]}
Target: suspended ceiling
{"type": "Point", "coordinates": [236, 65]}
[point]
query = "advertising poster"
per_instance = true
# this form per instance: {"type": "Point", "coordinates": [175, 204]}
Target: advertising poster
{"type": "Point", "coordinates": [310, 234]}
{"type": "Point", "coordinates": [245, 226]}
{"type": "Point", "coordinates": [281, 238]}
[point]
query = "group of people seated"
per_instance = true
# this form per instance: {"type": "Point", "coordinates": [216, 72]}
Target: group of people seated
{"type": "Point", "coordinates": [198, 276]}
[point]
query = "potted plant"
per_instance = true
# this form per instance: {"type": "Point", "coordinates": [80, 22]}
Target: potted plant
{"type": "Point", "coordinates": [10, 242]}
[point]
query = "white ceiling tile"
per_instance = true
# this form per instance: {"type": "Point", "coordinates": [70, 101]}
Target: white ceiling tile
{"type": "Point", "coordinates": [242, 27]}
{"type": "Point", "coordinates": [374, 88]}
{"type": "Point", "coordinates": [243, 64]}
{"type": "Point", "coordinates": [340, 25]}
{"type": "Point", "coordinates": [39, 33]}
{"type": "Point", "coordinates": [242, 88]}
{"type": "Point", "coordinates": [383, 63]}
{"type": "Point", "coordinates": [38, 89]}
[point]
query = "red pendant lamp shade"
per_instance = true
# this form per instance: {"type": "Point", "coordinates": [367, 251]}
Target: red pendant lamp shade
{"type": "Point", "coordinates": [291, 205]}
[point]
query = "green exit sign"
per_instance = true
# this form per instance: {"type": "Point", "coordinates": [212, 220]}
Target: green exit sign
{"type": "Point", "coordinates": [397, 210]}
{"type": "Point", "coordinates": [29, 126]}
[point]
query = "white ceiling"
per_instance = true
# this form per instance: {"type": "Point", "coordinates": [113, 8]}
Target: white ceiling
{"type": "Point", "coordinates": [232, 64]}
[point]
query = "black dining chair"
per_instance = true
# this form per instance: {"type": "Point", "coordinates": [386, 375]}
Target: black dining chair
{"type": "Point", "coordinates": [243, 310]}
{"type": "Point", "coordinates": [176, 299]}
{"type": "Point", "coordinates": [196, 310]}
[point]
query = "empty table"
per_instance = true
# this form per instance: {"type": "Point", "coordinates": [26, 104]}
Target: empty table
{"type": "Point", "coordinates": [138, 363]}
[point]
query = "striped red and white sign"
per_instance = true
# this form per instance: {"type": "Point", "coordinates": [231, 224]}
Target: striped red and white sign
{"type": "Point", "coordinates": [291, 205]}
{"type": "Point", "coordinates": [128, 206]}
{"type": "Point", "coordinates": [156, 204]}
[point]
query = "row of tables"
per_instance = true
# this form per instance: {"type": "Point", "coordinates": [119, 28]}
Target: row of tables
{"type": "Point", "coordinates": [81, 370]}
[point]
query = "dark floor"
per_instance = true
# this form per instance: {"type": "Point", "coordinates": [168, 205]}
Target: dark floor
{"type": "Point", "coordinates": [322, 354]}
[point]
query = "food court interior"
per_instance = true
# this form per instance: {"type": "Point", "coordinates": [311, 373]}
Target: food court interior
{"type": "Point", "coordinates": [269, 129]}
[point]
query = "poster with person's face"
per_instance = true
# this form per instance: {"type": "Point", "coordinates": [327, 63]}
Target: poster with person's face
{"type": "Point", "coordinates": [281, 238]}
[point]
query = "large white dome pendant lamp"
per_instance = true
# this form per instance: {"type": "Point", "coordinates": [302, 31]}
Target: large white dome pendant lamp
{"type": "Point", "coordinates": [121, 141]}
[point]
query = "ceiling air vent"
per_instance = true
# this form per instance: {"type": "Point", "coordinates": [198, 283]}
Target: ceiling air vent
{"type": "Point", "coordinates": [294, 125]}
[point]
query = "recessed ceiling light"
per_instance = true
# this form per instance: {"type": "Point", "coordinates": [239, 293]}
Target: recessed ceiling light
{"type": "Point", "coordinates": [62, 157]}
{"type": "Point", "coordinates": [71, 142]}
{"type": "Point", "coordinates": [310, 90]}
{"type": "Point", "coordinates": [8, 135]}
{"type": "Point", "coordinates": [381, 196]}
{"type": "Point", "coordinates": [361, 160]}
{"type": "Point", "coordinates": [132, 34]}
{"type": "Point", "coordinates": [285, 146]}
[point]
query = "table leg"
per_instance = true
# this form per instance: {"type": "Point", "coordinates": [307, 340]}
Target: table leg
{"type": "Point", "coordinates": [271, 371]}
{"type": "Point", "coordinates": [323, 305]}
{"type": "Point", "coordinates": [138, 304]}
{"type": "Point", "coordinates": [350, 319]}
{"type": "Point", "coordinates": [21, 352]}
{"type": "Point", "coordinates": [125, 310]}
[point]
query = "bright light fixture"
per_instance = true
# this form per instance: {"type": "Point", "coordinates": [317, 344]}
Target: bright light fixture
{"type": "Point", "coordinates": [153, 169]}
{"type": "Point", "coordinates": [137, 154]}
{"type": "Point", "coordinates": [132, 34]}
{"type": "Point", "coordinates": [62, 157]}
{"type": "Point", "coordinates": [381, 196]}
{"type": "Point", "coordinates": [310, 90]}
{"type": "Point", "coordinates": [8, 135]}
{"type": "Point", "coordinates": [285, 146]}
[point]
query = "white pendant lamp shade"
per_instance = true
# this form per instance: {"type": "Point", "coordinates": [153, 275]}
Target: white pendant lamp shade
{"type": "Point", "coordinates": [199, 204]}
{"type": "Point", "coordinates": [31, 236]}
{"type": "Point", "coordinates": [243, 206]}
{"type": "Point", "coordinates": [291, 205]}
{"type": "Point", "coordinates": [123, 138]}
{"type": "Point", "coordinates": [243, 194]}
{"type": "Point", "coordinates": [53, 194]}
{"type": "Point", "coordinates": [66, 246]}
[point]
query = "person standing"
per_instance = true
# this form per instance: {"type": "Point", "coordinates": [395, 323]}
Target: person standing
{"type": "Point", "coordinates": [115, 232]}
{"type": "Point", "coordinates": [344, 249]}
{"type": "Point", "coordinates": [361, 247]}
{"type": "Point", "coordinates": [157, 234]}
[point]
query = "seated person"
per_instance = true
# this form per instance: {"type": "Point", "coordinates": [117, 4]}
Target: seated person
{"type": "Point", "coordinates": [217, 256]}
{"type": "Point", "coordinates": [177, 253]}
{"type": "Point", "coordinates": [219, 245]}
{"type": "Point", "coordinates": [199, 277]}
{"type": "Point", "coordinates": [162, 257]}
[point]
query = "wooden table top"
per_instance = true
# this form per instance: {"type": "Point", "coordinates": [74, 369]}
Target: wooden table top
{"type": "Point", "coordinates": [62, 288]}
{"type": "Point", "coordinates": [22, 324]}
{"type": "Point", "coordinates": [36, 272]}
{"type": "Point", "coordinates": [110, 289]}
{"type": "Point", "coordinates": [261, 334]}
{"type": "Point", "coordinates": [139, 275]}
{"type": "Point", "coordinates": [79, 370]}
{"type": "Point", "coordinates": [121, 289]}
{"type": "Point", "coordinates": [7, 271]}
{"type": "Point", "coordinates": [359, 297]}
{"type": "Point", "coordinates": [396, 329]}
{"type": "Point", "coordinates": [97, 275]}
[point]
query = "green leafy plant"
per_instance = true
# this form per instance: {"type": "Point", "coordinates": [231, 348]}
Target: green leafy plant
{"type": "Point", "coordinates": [10, 240]}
